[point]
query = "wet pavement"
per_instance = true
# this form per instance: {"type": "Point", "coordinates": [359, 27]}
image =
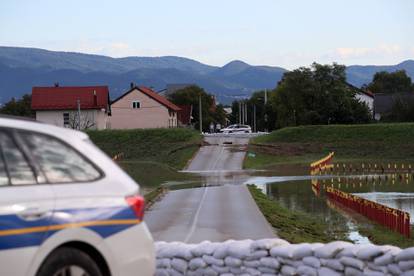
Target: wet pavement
{"type": "Point", "coordinates": [219, 208]}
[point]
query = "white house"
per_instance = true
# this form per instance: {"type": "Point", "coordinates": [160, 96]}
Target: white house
{"type": "Point", "coordinates": [78, 107]}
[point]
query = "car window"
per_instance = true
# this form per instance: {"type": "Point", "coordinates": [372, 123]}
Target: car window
{"type": "Point", "coordinates": [4, 179]}
{"type": "Point", "coordinates": [14, 163]}
{"type": "Point", "coordinates": [58, 161]}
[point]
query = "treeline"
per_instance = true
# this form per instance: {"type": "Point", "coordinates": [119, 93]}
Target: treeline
{"type": "Point", "coordinates": [319, 95]}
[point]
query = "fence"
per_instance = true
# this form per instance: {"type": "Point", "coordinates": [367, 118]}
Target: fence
{"type": "Point", "coordinates": [394, 219]}
{"type": "Point", "coordinates": [322, 164]}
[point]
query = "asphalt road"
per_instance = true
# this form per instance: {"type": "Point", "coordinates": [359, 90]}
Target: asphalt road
{"type": "Point", "coordinates": [215, 213]}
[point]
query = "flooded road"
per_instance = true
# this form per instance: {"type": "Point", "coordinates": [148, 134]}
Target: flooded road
{"type": "Point", "coordinates": [216, 208]}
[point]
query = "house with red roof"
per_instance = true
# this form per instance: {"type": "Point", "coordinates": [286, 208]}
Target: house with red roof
{"type": "Point", "coordinates": [141, 107]}
{"type": "Point", "coordinates": [77, 107]}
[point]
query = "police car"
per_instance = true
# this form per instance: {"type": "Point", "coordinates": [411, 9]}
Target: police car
{"type": "Point", "coordinates": [66, 208]}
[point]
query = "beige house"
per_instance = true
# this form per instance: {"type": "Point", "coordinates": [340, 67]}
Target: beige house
{"type": "Point", "coordinates": [77, 107]}
{"type": "Point", "coordinates": [140, 107]}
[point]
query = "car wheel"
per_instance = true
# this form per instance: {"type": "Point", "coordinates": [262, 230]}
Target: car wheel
{"type": "Point", "coordinates": [69, 261]}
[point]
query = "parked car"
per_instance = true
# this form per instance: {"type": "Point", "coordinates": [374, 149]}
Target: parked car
{"type": "Point", "coordinates": [237, 128]}
{"type": "Point", "coordinates": [66, 208]}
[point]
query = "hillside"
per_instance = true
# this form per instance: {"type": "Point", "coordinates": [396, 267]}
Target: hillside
{"type": "Point", "coordinates": [351, 143]}
{"type": "Point", "coordinates": [23, 68]}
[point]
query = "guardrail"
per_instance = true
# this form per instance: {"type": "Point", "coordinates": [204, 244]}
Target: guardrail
{"type": "Point", "coordinates": [393, 219]}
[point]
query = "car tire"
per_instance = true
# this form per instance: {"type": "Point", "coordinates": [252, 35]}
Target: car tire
{"type": "Point", "coordinates": [66, 259]}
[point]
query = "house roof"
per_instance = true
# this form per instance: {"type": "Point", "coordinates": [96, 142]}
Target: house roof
{"type": "Point", "coordinates": [150, 93]}
{"type": "Point", "coordinates": [360, 91]}
{"type": "Point", "coordinates": [66, 97]}
{"type": "Point", "coordinates": [383, 103]}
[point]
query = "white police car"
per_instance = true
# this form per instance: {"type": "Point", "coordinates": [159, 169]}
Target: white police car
{"type": "Point", "coordinates": [66, 208]}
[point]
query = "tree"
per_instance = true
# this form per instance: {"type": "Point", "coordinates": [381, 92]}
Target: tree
{"type": "Point", "coordinates": [20, 107]}
{"type": "Point", "coordinates": [210, 112]}
{"type": "Point", "coordinates": [86, 120]}
{"type": "Point", "coordinates": [317, 95]}
{"type": "Point", "coordinates": [391, 83]}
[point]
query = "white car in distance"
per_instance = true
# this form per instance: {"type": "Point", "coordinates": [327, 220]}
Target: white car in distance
{"type": "Point", "coordinates": [237, 128]}
{"type": "Point", "coordinates": [66, 208]}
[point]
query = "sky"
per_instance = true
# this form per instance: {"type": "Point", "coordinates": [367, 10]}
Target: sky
{"type": "Point", "coordinates": [286, 33]}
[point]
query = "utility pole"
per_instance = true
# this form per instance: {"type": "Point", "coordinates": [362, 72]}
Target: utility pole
{"type": "Point", "coordinates": [240, 112]}
{"type": "Point", "coordinates": [265, 97]}
{"type": "Point", "coordinates": [79, 118]}
{"type": "Point", "coordinates": [245, 113]}
{"type": "Point", "coordinates": [254, 118]}
{"type": "Point", "coordinates": [200, 115]}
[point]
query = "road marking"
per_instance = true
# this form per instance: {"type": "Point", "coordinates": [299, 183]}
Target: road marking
{"type": "Point", "coordinates": [193, 226]}
{"type": "Point", "coordinates": [218, 158]}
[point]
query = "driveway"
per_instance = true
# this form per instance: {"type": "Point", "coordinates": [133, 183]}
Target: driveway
{"type": "Point", "coordinates": [215, 213]}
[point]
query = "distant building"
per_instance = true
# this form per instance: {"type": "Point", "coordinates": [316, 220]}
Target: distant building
{"type": "Point", "coordinates": [367, 98]}
{"type": "Point", "coordinates": [140, 107]}
{"type": "Point", "coordinates": [364, 96]}
{"type": "Point", "coordinates": [383, 103]}
{"type": "Point", "coordinates": [78, 107]}
{"type": "Point", "coordinates": [184, 115]}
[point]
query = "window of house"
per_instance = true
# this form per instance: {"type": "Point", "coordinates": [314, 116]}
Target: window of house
{"type": "Point", "coordinates": [66, 119]}
{"type": "Point", "coordinates": [58, 161]}
{"type": "Point", "coordinates": [14, 168]}
{"type": "Point", "coordinates": [136, 104]}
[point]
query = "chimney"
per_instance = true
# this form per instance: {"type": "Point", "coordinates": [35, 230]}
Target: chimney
{"type": "Point", "coordinates": [132, 85]}
{"type": "Point", "coordinates": [56, 84]}
{"type": "Point", "coordinates": [95, 98]}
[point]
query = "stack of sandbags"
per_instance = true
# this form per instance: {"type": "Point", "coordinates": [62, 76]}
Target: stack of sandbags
{"type": "Point", "coordinates": [278, 257]}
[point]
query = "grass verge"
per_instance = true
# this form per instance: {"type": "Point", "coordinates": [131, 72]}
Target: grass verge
{"type": "Point", "coordinates": [294, 226]}
{"type": "Point", "coordinates": [381, 235]}
{"type": "Point", "coordinates": [150, 156]}
{"type": "Point", "coordinates": [351, 143]}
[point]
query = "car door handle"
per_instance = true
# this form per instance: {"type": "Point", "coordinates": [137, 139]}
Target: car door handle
{"type": "Point", "coordinates": [31, 214]}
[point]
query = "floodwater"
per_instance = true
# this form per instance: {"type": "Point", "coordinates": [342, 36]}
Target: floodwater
{"type": "Point", "coordinates": [298, 193]}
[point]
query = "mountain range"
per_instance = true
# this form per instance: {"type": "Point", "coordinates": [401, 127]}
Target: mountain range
{"type": "Point", "coordinates": [23, 68]}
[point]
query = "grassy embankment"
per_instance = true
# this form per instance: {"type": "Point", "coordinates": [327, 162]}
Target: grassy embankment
{"type": "Point", "coordinates": [150, 156]}
{"type": "Point", "coordinates": [299, 146]}
{"type": "Point", "coordinates": [294, 226]}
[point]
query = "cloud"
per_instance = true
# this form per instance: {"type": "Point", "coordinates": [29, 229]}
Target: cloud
{"type": "Point", "coordinates": [352, 53]}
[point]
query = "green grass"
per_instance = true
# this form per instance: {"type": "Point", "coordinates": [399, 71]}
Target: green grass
{"type": "Point", "coordinates": [172, 147]}
{"type": "Point", "coordinates": [151, 174]}
{"type": "Point", "coordinates": [294, 226]}
{"type": "Point", "coordinates": [304, 144]}
{"type": "Point", "coordinates": [150, 156]}
{"type": "Point", "coordinates": [381, 235]}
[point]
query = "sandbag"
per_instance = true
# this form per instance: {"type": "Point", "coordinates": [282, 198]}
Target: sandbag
{"type": "Point", "coordinates": [270, 262]}
{"type": "Point", "coordinates": [239, 249]}
{"type": "Point", "coordinates": [307, 270]}
{"type": "Point", "coordinates": [351, 271]}
{"type": "Point", "coordinates": [197, 263]}
{"type": "Point", "coordinates": [405, 255]}
{"type": "Point", "coordinates": [213, 261]}
{"type": "Point", "coordinates": [232, 262]}
{"type": "Point", "coordinates": [331, 249]}
{"type": "Point", "coordinates": [352, 262]}
{"type": "Point", "coordinates": [179, 265]}
{"type": "Point", "coordinates": [324, 271]}
{"type": "Point", "coordinates": [369, 252]}
{"type": "Point", "coordinates": [312, 261]}
{"type": "Point", "coordinates": [288, 270]}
